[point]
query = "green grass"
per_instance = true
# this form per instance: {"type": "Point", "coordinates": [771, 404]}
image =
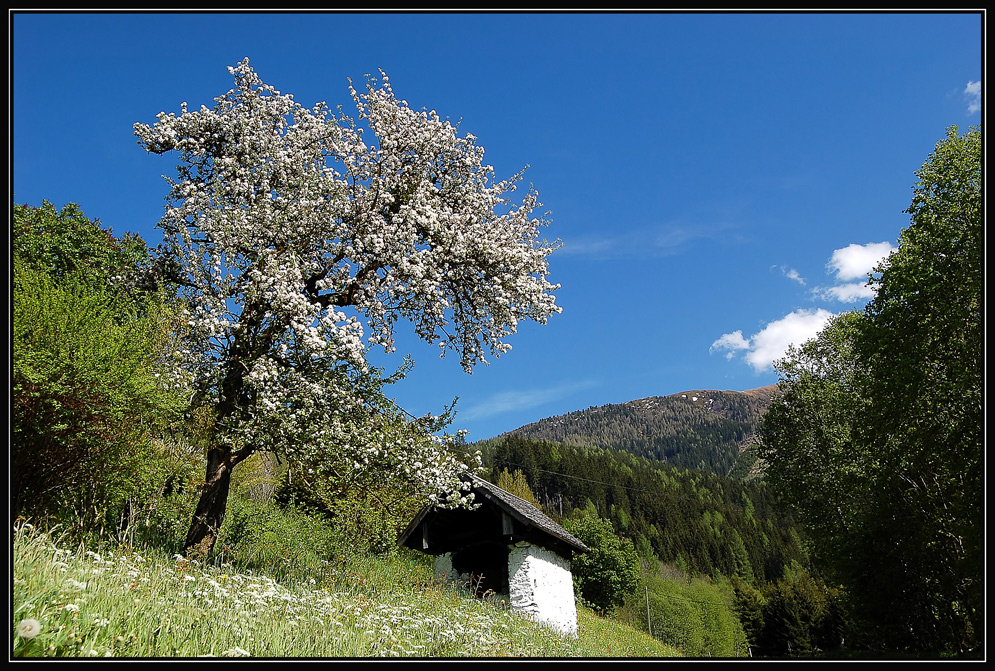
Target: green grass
{"type": "Point", "coordinates": [126, 603]}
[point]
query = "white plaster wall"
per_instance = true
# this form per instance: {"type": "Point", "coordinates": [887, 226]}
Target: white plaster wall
{"type": "Point", "coordinates": [541, 587]}
{"type": "Point", "coordinates": [443, 569]}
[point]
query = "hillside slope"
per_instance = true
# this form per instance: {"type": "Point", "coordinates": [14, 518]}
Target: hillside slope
{"type": "Point", "coordinates": [707, 430]}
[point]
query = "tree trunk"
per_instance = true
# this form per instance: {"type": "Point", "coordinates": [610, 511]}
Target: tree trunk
{"type": "Point", "coordinates": [210, 513]}
{"type": "Point", "coordinates": [221, 459]}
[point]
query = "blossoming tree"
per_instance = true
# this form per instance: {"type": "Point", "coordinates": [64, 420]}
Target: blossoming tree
{"type": "Point", "coordinates": [299, 245]}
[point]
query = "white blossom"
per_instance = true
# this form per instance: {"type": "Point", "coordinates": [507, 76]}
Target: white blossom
{"type": "Point", "coordinates": [300, 245]}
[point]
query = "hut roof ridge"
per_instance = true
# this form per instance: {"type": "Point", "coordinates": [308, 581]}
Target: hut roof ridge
{"type": "Point", "coordinates": [527, 510]}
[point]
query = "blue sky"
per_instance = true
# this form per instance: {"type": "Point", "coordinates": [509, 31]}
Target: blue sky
{"type": "Point", "coordinates": [720, 182]}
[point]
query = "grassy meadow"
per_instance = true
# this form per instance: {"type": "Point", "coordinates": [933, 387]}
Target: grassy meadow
{"type": "Point", "coordinates": [73, 602]}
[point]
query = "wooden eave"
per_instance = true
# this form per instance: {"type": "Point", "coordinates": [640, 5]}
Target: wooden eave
{"type": "Point", "coordinates": [500, 516]}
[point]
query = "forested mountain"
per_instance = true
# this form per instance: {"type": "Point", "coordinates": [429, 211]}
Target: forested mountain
{"type": "Point", "coordinates": [705, 430]}
{"type": "Point", "coordinates": [702, 522]}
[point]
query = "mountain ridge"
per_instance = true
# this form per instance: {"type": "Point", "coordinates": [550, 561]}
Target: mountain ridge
{"type": "Point", "coordinates": [704, 429]}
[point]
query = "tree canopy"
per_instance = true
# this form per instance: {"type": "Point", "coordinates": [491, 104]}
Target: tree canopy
{"type": "Point", "coordinates": [89, 349]}
{"type": "Point", "coordinates": [610, 570]}
{"type": "Point", "coordinates": [300, 238]}
{"type": "Point", "coordinates": [878, 437]}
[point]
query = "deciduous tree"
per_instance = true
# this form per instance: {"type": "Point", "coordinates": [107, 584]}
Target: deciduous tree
{"type": "Point", "coordinates": [300, 238]}
{"type": "Point", "coordinates": [610, 571]}
{"type": "Point", "coordinates": [65, 242]}
{"type": "Point", "coordinates": [516, 483]}
{"type": "Point", "coordinates": [87, 383]}
{"type": "Point", "coordinates": [878, 438]}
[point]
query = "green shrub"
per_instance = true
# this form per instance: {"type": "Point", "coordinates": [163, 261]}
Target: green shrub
{"type": "Point", "coordinates": [368, 516]}
{"type": "Point", "coordinates": [87, 398]}
{"type": "Point", "coordinates": [280, 541]}
{"type": "Point", "coordinates": [160, 518]}
{"type": "Point", "coordinates": [90, 341]}
{"type": "Point", "coordinates": [802, 617]}
{"type": "Point", "coordinates": [695, 616]}
{"type": "Point", "coordinates": [610, 571]}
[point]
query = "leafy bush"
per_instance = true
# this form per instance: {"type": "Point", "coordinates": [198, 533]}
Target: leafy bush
{"type": "Point", "coordinates": [697, 617]}
{"type": "Point", "coordinates": [160, 518]}
{"type": "Point", "coordinates": [369, 516]}
{"type": "Point", "coordinates": [802, 617]}
{"type": "Point", "coordinates": [610, 571]}
{"type": "Point", "coordinates": [91, 339]}
{"type": "Point", "coordinates": [86, 398]}
{"type": "Point", "coordinates": [282, 542]}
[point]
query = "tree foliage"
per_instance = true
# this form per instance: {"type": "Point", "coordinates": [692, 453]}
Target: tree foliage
{"type": "Point", "coordinates": [878, 437]}
{"type": "Point", "coordinates": [66, 243]}
{"type": "Point", "coordinates": [705, 522]}
{"type": "Point", "coordinates": [609, 572]}
{"type": "Point", "coordinates": [807, 440]}
{"type": "Point", "coordinates": [696, 616]}
{"type": "Point", "coordinates": [705, 430]}
{"type": "Point", "coordinates": [88, 393]}
{"type": "Point", "coordinates": [517, 484]}
{"type": "Point", "coordinates": [299, 241]}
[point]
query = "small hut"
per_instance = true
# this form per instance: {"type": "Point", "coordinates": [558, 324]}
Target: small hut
{"type": "Point", "coordinates": [504, 546]}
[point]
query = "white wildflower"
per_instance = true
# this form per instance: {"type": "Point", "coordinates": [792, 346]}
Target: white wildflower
{"type": "Point", "coordinates": [28, 628]}
{"type": "Point", "coordinates": [236, 652]}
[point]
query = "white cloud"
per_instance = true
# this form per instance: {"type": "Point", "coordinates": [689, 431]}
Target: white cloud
{"type": "Point", "coordinates": [731, 341]}
{"type": "Point", "coordinates": [856, 261]}
{"type": "Point", "coordinates": [762, 349]}
{"type": "Point", "coordinates": [853, 262]}
{"type": "Point", "coordinates": [654, 242]}
{"type": "Point", "coordinates": [510, 401]}
{"type": "Point", "coordinates": [793, 274]}
{"type": "Point", "coordinates": [771, 343]}
{"type": "Point", "coordinates": [973, 94]}
{"type": "Point", "coordinates": [849, 293]}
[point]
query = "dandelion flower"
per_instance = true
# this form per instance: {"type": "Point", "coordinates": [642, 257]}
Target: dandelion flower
{"type": "Point", "coordinates": [28, 628]}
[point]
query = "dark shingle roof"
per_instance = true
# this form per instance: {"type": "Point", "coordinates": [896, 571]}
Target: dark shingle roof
{"type": "Point", "coordinates": [530, 514]}
{"type": "Point", "coordinates": [457, 526]}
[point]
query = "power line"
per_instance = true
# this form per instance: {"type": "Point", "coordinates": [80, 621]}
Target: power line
{"type": "Point", "coordinates": [664, 596]}
{"type": "Point", "coordinates": [680, 598]}
{"type": "Point", "coordinates": [574, 477]}
{"type": "Point", "coordinates": [505, 462]}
